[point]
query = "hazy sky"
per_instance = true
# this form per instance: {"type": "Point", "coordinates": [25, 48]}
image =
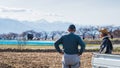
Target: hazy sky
{"type": "Point", "coordinates": [84, 12]}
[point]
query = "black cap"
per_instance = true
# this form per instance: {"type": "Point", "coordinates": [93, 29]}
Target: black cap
{"type": "Point", "coordinates": [72, 27]}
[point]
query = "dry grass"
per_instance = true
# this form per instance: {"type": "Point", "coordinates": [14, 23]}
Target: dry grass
{"type": "Point", "coordinates": [27, 47]}
{"type": "Point", "coordinates": [37, 60]}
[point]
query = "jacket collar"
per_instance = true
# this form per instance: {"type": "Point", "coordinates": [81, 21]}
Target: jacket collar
{"type": "Point", "coordinates": [105, 37]}
{"type": "Point", "coordinates": [71, 33]}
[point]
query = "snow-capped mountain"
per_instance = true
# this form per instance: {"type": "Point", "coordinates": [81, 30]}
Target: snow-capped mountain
{"type": "Point", "coordinates": [10, 25]}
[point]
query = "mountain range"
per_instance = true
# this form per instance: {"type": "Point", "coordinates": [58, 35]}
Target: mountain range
{"type": "Point", "coordinates": [12, 25]}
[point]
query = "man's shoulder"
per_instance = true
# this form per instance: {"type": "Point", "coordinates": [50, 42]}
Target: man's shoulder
{"type": "Point", "coordinates": [65, 35]}
{"type": "Point", "coordinates": [76, 35]}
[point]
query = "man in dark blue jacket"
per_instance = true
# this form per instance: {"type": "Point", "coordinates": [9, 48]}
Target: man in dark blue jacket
{"type": "Point", "coordinates": [71, 52]}
{"type": "Point", "coordinates": [106, 45]}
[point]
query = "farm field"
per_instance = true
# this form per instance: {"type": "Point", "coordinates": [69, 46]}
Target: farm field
{"type": "Point", "coordinates": [88, 46]}
{"type": "Point", "coordinates": [39, 59]}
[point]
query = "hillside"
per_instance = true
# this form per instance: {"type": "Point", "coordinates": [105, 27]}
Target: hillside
{"type": "Point", "coordinates": [10, 25]}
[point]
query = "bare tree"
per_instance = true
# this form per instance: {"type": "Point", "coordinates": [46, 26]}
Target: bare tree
{"type": "Point", "coordinates": [44, 35]}
{"type": "Point", "coordinates": [38, 36]}
{"type": "Point", "coordinates": [116, 33]}
{"type": "Point", "coordinates": [93, 31]}
{"type": "Point", "coordinates": [53, 33]}
{"type": "Point", "coordinates": [82, 31]}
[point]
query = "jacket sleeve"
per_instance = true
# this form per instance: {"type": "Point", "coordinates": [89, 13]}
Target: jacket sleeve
{"type": "Point", "coordinates": [82, 45]}
{"type": "Point", "coordinates": [103, 45]}
{"type": "Point", "coordinates": [57, 43]}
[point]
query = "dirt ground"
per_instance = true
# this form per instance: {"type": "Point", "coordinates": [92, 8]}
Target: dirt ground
{"type": "Point", "coordinates": [38, 60]}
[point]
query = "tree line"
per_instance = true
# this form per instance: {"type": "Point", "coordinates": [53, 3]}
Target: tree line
{"type": "Point", "coordinates": [86, 32]}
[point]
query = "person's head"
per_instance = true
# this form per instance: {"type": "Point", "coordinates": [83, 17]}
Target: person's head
{"type": "Point", "coordinates": [104, 32]}
{"type": "Point", "coordinates": [72, 28]}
